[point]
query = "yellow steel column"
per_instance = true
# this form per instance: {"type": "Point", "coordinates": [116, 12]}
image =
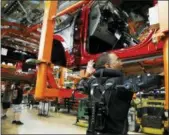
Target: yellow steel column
{"type": "Point", "coordinates": [45, 47]}
{"type": "Point", "coordinates": [165, 56]}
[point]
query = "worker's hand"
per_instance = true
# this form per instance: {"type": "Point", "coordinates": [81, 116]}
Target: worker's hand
{"type": "Point", "coordinates": [161, 74]}
{"type": "Point", "coordinates": [90, 68]}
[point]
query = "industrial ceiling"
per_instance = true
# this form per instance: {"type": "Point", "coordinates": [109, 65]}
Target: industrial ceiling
{"type": "Point", "coordinates": [21, 23]}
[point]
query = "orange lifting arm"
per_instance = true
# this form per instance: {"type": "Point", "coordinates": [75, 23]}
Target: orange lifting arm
{"type": "Point", "coordinates": [45, 48]}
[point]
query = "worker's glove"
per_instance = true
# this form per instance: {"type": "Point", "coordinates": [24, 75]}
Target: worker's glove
{"type": "Point", "coordinates": [90, 68]}
{"type": "Point", "coordinates": [82, 85]}
{"type": "Point", "coordinates": [146, 82]}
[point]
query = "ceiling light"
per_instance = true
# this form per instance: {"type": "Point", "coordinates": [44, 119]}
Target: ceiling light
{"type": "Point", "coordinates": [16, 51]}
{"type": "Point", "coordinates": [24, 53]}
{"type": "Point", "coordinates": [3, 63]}
{"type": "Point", "coordinates": [5, 27]}
{"type": "Point", "coordinates": [21, 52]}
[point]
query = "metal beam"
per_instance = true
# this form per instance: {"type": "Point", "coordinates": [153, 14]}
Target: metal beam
{"type": "Point", "coordinates": [12, 36]}
{"type": "Point", "coordinates": [6, 23]}
{"type": "Point", "coordinates": [134, 60]}
{"type": "Point", "coordinates": [73, 7]}
{"type": "Point", "coordinates": [17, 32]}
{"type": "Point", "coordinates": [9, 43]}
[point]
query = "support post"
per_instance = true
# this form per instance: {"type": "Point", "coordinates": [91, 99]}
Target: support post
{"type": "Point", "coordinates": [165, 57]}
{"type": "Point", "coordinates": [45, 47]}
{"type": "Point", "coordinates": [62, 77]}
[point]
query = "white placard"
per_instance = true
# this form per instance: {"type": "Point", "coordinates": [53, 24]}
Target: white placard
{"type": "Point", "coordinates": [4, 51]}
{"type": "Point", "coordinates": [153, 15]}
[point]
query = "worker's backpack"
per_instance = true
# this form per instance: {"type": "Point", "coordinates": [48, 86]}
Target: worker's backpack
{"type": "Point", "coordinates": [103, 99]}
{"type": "Point", "coordinates": [110, 94]}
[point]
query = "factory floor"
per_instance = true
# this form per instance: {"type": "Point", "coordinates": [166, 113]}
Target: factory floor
{"type": "Point", "coordinates": [56, 123]}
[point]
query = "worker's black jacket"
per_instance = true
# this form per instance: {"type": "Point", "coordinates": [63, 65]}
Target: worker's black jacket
{"type": "Point", "coordinates": [17, 96]}
{"type": "Point", "coordinates": [119, 100]}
